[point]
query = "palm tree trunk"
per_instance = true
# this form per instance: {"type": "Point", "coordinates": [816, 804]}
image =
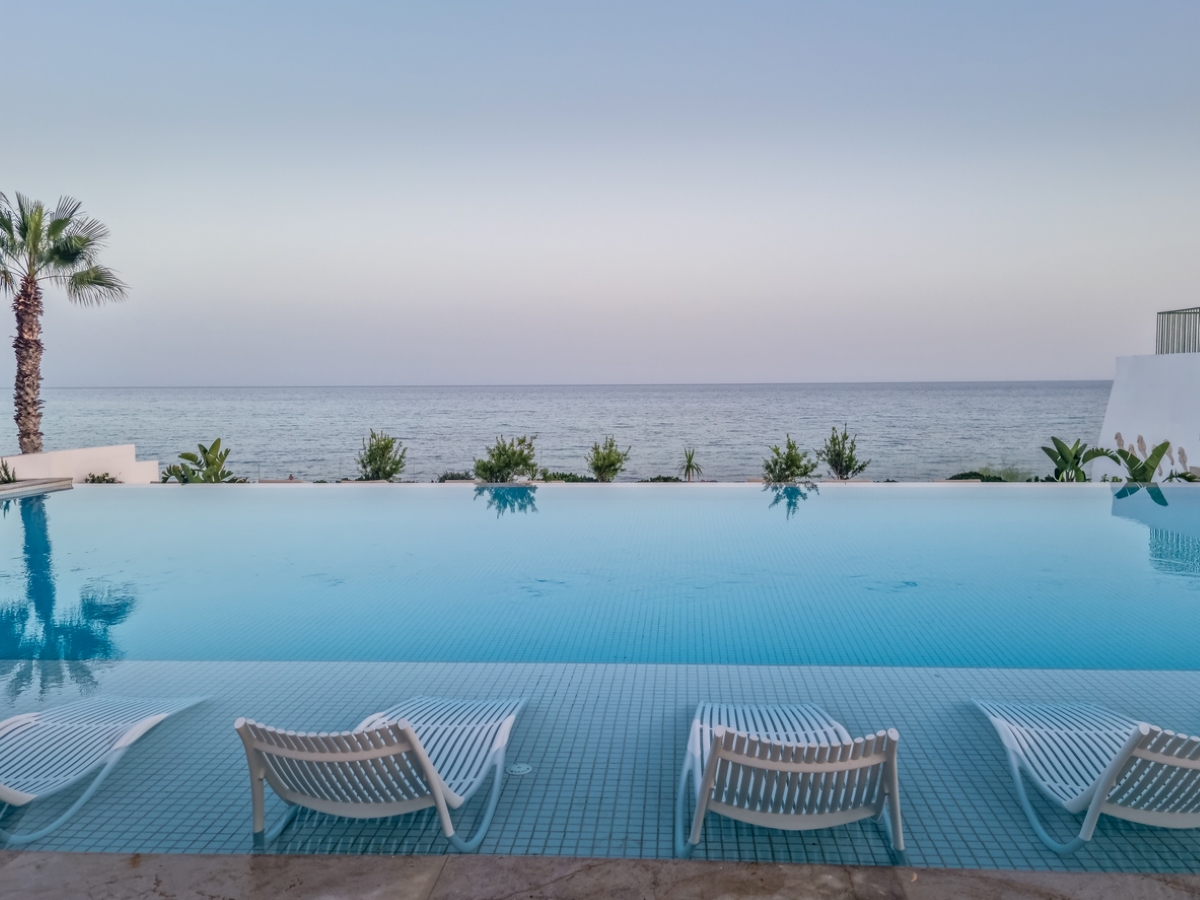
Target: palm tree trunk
{"type": "Point", "coordinates": [27, 305]}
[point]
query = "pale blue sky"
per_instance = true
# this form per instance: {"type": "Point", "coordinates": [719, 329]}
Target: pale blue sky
{"type": "Point", "coordinates": [360, 193]}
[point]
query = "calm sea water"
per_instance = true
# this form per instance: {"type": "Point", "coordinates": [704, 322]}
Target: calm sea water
{"type": "Point", "coordinates": [909, 431]}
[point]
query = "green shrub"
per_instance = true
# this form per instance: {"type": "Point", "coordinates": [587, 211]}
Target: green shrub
{"type": "Point", "coordinates": [205, 467]}
{"type": "Point", "coordinates": [840, 454]}
{"type": "Point", "coordinates": [547, 475]}
{"type": "Point", "coordinates": [451, 475]}
{"type": "Point", "coordinates": [382, 458]}
{"type": "Point", "coordinates": [508, 460]}
{"type": "Point", "coordinates": [1005, 473]}
{"type": "Point", "coordinates": [974, 476]}
{"type": "Point", "coordinates": [661, 479]}
{"type": "Point", "coordinates": [789, 465]}
{"type": "Point", "coordinates": [690, 468]}
{"type": "Point", "coordinates": [1141, 471]}
{"type": "Point", "coordinates": [607, 461]}
{"type": "Point", "coordinates": [7, 475]}
{"type": "Point", "coordinates": [1069, 460]}
{"type": "Point", "coordinates": [102, 478]}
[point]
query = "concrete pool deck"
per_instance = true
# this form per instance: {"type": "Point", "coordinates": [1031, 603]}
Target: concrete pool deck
{"type": "Point", "coordinates": [50, 876]}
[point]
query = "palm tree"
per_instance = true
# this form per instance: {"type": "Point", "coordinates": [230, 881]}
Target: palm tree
{"type": "Point", "coordinates": [690, 469]}
{"type": "Point", "coordinates": [40, 245]}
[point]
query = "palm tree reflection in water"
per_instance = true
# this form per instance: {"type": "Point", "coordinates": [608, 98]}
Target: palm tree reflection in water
{"type": "Point", "coordinates": [37, 645]}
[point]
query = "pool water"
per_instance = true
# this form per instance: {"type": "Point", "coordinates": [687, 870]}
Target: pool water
{"type": "Point", "coordinates": [1026, 576]}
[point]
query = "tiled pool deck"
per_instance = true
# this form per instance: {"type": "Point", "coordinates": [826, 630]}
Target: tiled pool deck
{"type": "Point", "coordinates": [605, 743]}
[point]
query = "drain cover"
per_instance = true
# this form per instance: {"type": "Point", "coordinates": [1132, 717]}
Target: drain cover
{"type": "Point", "coordinates": [519, 769]}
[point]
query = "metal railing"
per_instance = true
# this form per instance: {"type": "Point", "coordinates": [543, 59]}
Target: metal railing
{"type": "Point", "coordinates": [1178, 331]}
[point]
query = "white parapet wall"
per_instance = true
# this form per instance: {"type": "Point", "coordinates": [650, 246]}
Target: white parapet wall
{"type": "Point", "coordinates": [119, 461]}
{"type": "Point", "coordinates": [1154, 399]}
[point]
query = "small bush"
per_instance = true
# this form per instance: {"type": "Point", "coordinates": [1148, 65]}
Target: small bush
{"type": "Point", "coordinates": [450, 475]}
{"type": "Point", "coordinates": [382, 458]}
{"type": "Point", "coordinates": [1006, 473]}
{"type": "Point", "coordinates": [606, 462]}
{"type": "Point", "coordinates": [7, 475]}
{"type": "Point", "coordinates": [507, 460]}
{"type": "Point", "coordinates": [840, 454]}
{"type": "Point", "coordinates": [788, 465]}
{"type": "Point", "coordinates": [974, 476]}
{"type": "Point", "coordinates": [690, 469]}
{"type": "Point", "coordinates": [571, 477]}
{"type": "Point", "coordinates": [102, 478]}
{"type": "Point", "coordinates": [661, 478]}
{"type": "Point", "coordinates": [205, 467]}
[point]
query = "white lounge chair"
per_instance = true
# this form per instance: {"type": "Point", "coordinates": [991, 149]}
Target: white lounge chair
{"type": "Point", "coordinates": [789, 767]}
{"type": "Point", "coordinates": [42, 753]}
{"type": "Point", "coordinates": [421, 753]}
{"type": "Point", "coordinates": [1086, 758]}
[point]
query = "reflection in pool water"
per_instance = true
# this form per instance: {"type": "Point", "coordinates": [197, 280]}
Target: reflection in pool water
{"type": "Point", "coordinates": [509, 498]}
{"type": "Point", "coordinates": [791, 495]}
{"type": "Point", "coordinates": [1174, 553]}
{"type": "Point", "coordinates": [37, 642]}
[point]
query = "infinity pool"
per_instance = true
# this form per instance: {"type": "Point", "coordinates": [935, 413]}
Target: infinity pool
{"type": "Point", "coordinates": [1038, 576]}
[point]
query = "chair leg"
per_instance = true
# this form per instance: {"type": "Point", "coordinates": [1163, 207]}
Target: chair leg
{"type": "Point", "coordinates": [897, 855]}
{"type": "Point", "coordinates": [470, 846]}
{"type": "Point", "coordinates": [18, 840]}
{"type": "Point", "coordinates": [682, 848]}
{"type": "Point", "coordinates": [1063, 849]}
{"type": "Point", "coordinates": [277, 829]}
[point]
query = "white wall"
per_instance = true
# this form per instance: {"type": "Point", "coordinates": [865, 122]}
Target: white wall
{"type": "Point", "coordinates": [1156, 398]}
{"type": "Point", "coordinates": [120, 461]}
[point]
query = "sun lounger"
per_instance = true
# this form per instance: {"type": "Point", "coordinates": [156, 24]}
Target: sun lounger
{"type": "Point", "coordinates": [1086, 758]}
{"type": "Point", "coordinates": [42, 753]}
{"type": "Point", "coordinates": [788, 767]}
{"type": "Point", "coordinates": [424, 752]}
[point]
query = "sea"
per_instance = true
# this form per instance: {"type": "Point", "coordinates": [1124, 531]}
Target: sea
{"type": "Point", "coordinates": [908, 431]}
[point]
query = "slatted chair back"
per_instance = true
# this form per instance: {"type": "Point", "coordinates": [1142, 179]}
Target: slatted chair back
{"type": "Point", "coordinates": [44, 752]}
{"type": "Point", "coordinates": [460, 736]}
{"type": "Point", "coordinates": [801, 786]}
{"type": "Point", "coordinates": [1159, 783]}
{"type": "Point", "coordinates": [369, 773]}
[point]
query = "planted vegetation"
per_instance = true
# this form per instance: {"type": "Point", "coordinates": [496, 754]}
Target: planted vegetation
{"type": "Point", "coordinates": [451, 475]}
{"type": "Point", "coordinates": [102, 478]}
{"type": "Point", "coordinates": [789, 465]}
{"type": "Point", "coordinates": [606, 462]}
{"type": "Point", "coordinates": [205, 467]}
{"type": "Point", "coordinates": [508, 460]}
{"type": "Point", "coordinates": [840, 455]}
{"type": "Point", "coordinates": [690, 468]}
{"type": "Point", "coordinates": [382, 458]}
{"type": "Point", "coordinates": [547, 475]}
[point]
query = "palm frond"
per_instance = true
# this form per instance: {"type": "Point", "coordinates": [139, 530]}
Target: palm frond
{"type": "Point", "coordinates": [92, 230]}
{"type": "Point", "coordinates": [66, 209]}
{"type": "Point", "coordinates": [69, 252]}
{"type": "Point", "coordinates": [94, 285]}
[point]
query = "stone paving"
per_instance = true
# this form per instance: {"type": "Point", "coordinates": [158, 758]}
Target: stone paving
{"type": "Point", "coordinates": [52, 876]}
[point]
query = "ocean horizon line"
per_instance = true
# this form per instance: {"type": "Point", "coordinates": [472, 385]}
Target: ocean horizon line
{"type": "Point", "coordinates": [581, 384]}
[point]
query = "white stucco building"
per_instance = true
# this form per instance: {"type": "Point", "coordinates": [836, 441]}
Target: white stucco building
{"type": "Point", "coordinates": [1157, 398]}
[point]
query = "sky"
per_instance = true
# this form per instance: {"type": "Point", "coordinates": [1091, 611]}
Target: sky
{"type": "Point", "coordinates": [553, 193]}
